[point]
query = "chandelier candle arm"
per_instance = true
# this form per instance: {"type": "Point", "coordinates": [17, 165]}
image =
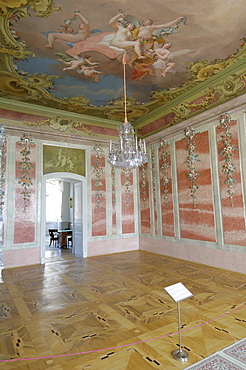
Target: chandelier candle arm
{"type": "Point", "coordinates": [127, 152]}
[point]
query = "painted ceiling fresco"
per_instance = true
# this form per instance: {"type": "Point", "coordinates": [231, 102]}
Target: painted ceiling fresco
{"type": "Point", "coordinates": [68, 54]}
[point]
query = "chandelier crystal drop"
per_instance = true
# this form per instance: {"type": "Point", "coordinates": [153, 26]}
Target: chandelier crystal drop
{"type": "Point", "coordinates": [128, 152]}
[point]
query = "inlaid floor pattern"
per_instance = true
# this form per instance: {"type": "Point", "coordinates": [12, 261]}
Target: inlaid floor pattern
{"type": "Point", "coordinates": [52, 314]}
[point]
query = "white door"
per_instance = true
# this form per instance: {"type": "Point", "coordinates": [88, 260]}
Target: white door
{"type": "Point", "coordinates": [77, 219]}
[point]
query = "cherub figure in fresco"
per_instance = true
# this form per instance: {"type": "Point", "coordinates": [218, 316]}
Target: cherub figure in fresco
{"type": "Point", "coordinates": [90, 72]}
{"type": "Point", "coordinates": [66, 27]}
{"type": "Point", "coordinates": [84, 32]}
{"type": "Point", "coordinates": [123, 35]}
{"type": "Point", "coordinates": [67, 30]}
{"type": "Point", "coordinates": [140, 70]}
{"type": "Point", "coordinates": [164, 57]}
{"type": "Point", "coordinates": [148, 32]}
{"type": "Point", "coordinates": [78, 62]}
{"type": "Point", "coordinates": [148, 28]}
{"type": "Point", "coordinates": [82, 64]}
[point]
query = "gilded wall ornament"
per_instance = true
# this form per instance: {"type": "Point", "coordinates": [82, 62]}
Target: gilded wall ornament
{"type": "Point", "coordinates": [191, 161]}
{"type": "Point", "coordinates": [98, 172]}
{"type": "Point", "coordinates": [25, 166]}
{"type": "Point", "coordinates": [184, 110]}
{"type": "Point", "coordinates": [164, 168]}
{"type": "Point", "coordinates": [144, 182]}
{"type": "Point", "coordinates": [228, 168]}
{"type": "Point", "coordinates": [113, 186]}
{"type": "Point", "coordinates": [153, 176]}
{"type": "Point", "coordinates": [61, 124]}
{"type": "Point", "coordinates": [127, 183]}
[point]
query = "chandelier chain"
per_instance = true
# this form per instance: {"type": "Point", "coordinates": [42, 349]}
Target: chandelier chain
{"type": "Point", "coordinates": [128, 152]}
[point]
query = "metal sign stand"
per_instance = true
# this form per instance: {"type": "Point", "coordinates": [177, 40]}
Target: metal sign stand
{"type": "Point", "coordinates": [179, 292]}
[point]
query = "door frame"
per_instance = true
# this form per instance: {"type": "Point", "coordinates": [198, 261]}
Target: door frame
{"type": "Point", "coordinates": [72, 178]}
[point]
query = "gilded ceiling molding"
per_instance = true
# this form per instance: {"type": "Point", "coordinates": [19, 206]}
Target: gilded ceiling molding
{"type": "Point", "coordinates": [184, 110]}
{"type": "Point", "coordinates": [61, 124]}
{"type": "Point", "coordinates": [226, 89]}
{"type": "Point", "coordinates": [230, 87]}
{"type": "Point", "coordinates": [17, 84]}
{"type": "Point", "coordinates": [12, 4]}
{"type": "Point", "coordinates": [42, 7]}
{"type": "Point", "coordinates": [116, 110]}
{"type": "Point", "coordinates": [10, 43]}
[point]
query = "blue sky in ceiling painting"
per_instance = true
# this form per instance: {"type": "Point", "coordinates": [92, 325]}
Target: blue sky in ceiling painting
{"type": "Point", "coordinates": [99, 93]}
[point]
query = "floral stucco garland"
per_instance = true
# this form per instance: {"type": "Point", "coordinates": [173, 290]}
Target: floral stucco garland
{"type": "Point", "coordinates": [191, 161]}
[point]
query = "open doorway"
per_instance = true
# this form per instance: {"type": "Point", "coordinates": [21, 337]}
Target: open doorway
{"type": "Point", "coordinates": [59, 218]}
{"type": "Point", "coordinates": [63, 209]}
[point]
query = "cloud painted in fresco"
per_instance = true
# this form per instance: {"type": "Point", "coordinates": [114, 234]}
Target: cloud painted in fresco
{"type": "Point", "coordinates": [101, 93]}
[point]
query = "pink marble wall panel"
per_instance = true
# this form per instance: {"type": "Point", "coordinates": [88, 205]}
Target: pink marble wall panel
{"type": "Point", "coordinates": [127, 193]}
{"type": "Point", "coordinates": [21, 257]}
{"type": "Point", "coordinates": [233, 216]}
{"type": "Point", "coordinates": [166, 205]}
{"type": "Point", "coordinates": [19, 116]}
{"type": "Point", "coordinates": [144, 199]}
{"type": "Point", "coordinates": [114, 231]}
{"type": "Point", "coordinates": [196, 222]}
{"type": "Point", "coordinates": [96, 248]}
{"type": "Point", "coordinates": [98, 193]}
{"type": "Point", "coordinates": [158, 124]}
{"type": "Point", "coordinates": [220, 258]}
{"type": "Point", "coordinates": [24, 221]}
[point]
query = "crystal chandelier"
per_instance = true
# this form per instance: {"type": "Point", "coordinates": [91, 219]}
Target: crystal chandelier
{"type": "Point", "coordinates": [128, 152]}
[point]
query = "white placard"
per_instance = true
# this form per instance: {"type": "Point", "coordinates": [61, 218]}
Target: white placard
{"type": "Point", "coordinates": [178, 292]}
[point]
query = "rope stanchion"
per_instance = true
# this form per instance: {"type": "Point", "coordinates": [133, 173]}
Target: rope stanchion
{"type": "Point", "coordinates": [125, 345]}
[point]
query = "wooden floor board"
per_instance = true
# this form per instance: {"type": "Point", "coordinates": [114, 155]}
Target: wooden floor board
{"type": "Point", "coordinates": [56, 314]}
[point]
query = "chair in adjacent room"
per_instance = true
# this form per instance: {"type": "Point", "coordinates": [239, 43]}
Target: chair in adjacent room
{"type": "Point", "coordinates": [69, 238]}
{"type": "Point", "coordinates": [54, 237]}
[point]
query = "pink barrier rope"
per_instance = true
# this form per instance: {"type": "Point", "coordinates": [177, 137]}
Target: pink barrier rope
{"type": "Point", "coordinates": [125, 345]}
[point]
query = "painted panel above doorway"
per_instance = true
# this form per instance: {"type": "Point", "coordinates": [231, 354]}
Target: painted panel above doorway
{"type": "Point", "coordinates": [60, 159]}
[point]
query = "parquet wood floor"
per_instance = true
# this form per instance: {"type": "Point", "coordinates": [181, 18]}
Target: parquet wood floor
{"type": "Point", "coordinates": [55, 315]}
